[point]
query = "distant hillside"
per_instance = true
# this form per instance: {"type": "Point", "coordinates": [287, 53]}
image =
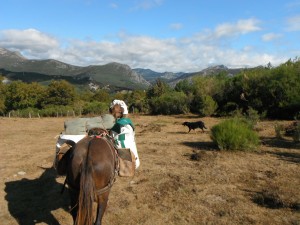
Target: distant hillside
{"type": "Point", "coordinates": [152, 76]}
{"type": "Point", "coordinates": [213, 70]}
{"type": "Point", "coordinates": [114, 76]}
{"type": "Point", "coordinates": [174, 78]}
{"type": "Point", "coordinates": [117, 76]}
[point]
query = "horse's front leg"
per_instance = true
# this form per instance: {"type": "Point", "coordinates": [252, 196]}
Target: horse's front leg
{"type": "Point", "coordinates": [101, 206]}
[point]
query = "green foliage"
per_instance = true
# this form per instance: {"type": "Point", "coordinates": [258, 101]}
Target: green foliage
{"type": "Point", "coordinates": [19, 95]}
{"type": "Point", "coordinates": [56, 111]}
{"type": "Point", "coordinates": [101, 96]}
{"type": "Point", "coordinates": [170, 103]}
{"type": "Point", "coordinates": [25, 113]}
{"type": "Point", "coordinates": [272, 92]}
{"type": "Point", "coordinates": [234, 134]}
{"type": "Point", "coordinates": [207, 106]}
{"type": "Point", "coordinates": [184, 86]}
{"type": "Point", "coordinates": [137, 101]}
{"type": "Point", "coordinates": [203, 105]}
{"type": "Point", "coordinates": [253, 116]}
{"type": "Point", "coordinates": [250, 117]}
{"type": "Point", "coordinates": [95, 108]}
{"type": "Point", "coordinates": [204, 85]}
{"type": "Point", "coordinates": [60, 93]}
{"type": "Point", "coordinates": [2, 97]}
{"type": "Point", "coordinates": [158, 89]}
{"type": "Point", "coordinates": [84, 95]}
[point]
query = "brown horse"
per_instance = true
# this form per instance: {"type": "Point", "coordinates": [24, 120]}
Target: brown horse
{"type": "Point", "coordinates": [91, 172]}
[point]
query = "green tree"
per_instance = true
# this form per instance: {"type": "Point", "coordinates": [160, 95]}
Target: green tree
{"type": "Point", "coordinates": [2, 96]}
{"type": "Point", "coordinates": [21, 95]}
{"type": "Point", "coordinates": [137, 101]}
{"type": "Point", "coordinates": [207, 106]}
{"type": "Point", "coordinates": [60, 93]}
{"type": "Point", "coordinates": [159, 88]}
{"type": "Point", "coordinates": [101, 95]}
{"type": "Point", "coordinates": [170, 103]}
{"type": "Point", "coordinates": [184, 86]}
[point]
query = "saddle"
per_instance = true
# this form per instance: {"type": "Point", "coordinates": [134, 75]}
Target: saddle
{"type": "Point", "coordinates": [125, 157]}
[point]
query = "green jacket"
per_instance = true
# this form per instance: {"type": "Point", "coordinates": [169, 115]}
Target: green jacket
{"type": "Point", "coordinates": [120, 123]}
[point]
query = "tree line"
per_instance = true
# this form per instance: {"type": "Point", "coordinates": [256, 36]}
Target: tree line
{"type": "Point", "coordinates": [271, 92]}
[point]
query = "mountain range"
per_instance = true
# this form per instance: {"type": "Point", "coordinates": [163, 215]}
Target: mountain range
{"type": "Point", "coordinates": [114, 76]}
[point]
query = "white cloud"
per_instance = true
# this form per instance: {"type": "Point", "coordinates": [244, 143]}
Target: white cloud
{"type": "Point", "coordinates": [188, 54]}
{"type": "Point", "coordinates": [30, 41]}
{"type": "Point", "coordinates": [271, 36]}
{"type": "Point", "coordinates": [240, 27]}
{"type": "Point", "coordinates": [293, 23]}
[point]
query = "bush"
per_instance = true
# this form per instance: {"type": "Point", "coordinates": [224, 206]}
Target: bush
{"type": "Point", "coordinates": [56, 111]}
{"type": "Point", "coordinates": [279, 130]}
{"type": "Point", "coordinates": [234, 134]}
{"type": "Point", "coordinates": [169, 103]}
{"type": "Point", "coordinates": [207, 106]}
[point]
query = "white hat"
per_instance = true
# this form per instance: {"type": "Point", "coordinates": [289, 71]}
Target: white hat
{"type": "Point", "coordinates": [121, 103]}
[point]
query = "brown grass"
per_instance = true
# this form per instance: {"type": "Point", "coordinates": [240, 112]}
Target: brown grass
{"type": "Point", "coordinates": [183, 178]}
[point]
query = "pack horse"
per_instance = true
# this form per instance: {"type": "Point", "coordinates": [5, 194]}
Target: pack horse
{"type": "Point", "coordinates": [87, 155]}
{"type": "Point", "coordinates": [91, 172]}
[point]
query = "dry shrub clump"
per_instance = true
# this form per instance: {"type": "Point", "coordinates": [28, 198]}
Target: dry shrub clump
{"type": "Point", "coordinates": [234, 134]}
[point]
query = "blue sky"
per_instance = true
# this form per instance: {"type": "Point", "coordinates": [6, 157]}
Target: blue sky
{"type": "Point", "coordinates": [162, 35]}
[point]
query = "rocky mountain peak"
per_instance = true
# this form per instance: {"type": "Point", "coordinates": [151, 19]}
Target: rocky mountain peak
{"type": "Point", "coordinates": [11, 54]}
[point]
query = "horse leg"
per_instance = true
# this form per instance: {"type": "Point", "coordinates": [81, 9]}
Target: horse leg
{"type": "Point", "coordinates": [74, 203]}
{"type": "Point", "coordinates": [102, 203]}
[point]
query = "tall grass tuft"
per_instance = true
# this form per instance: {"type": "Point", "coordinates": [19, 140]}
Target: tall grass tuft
{"type": "Point", "coordinates": [235, 134]}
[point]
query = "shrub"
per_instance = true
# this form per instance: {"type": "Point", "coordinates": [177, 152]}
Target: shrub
{"type": "Point", "coordinates": [234, 134]}
{"type": "Point", "coordinates": [253, 116]}
{"type": "Point", "coordinates": [279, 130]}
{"type": "Point", "coordinates": [169, 103]}
{"type": "Point", "coordinates": [207, 106]}
{"type": "Point", "coordinates": [55, 111]}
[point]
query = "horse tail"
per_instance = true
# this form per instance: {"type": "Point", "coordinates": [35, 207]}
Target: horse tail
{"type": "Point", "coordinates": [87, 192]}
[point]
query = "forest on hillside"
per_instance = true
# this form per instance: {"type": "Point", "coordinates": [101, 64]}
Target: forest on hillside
{"type": "Point", "coordinates": [270, 92]}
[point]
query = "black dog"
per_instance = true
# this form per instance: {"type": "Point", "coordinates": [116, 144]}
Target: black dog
{"type": "Point", "coordinates": [195, 125]}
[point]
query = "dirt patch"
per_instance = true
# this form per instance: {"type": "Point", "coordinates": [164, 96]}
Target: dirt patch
{"type": "Point", "coordinates": [183, 177]}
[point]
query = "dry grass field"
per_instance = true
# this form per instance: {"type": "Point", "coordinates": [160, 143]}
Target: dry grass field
{"type": "Point", "coordinates": [183, 178]}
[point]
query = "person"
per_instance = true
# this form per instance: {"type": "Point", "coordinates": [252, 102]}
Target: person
{"type": "Point", "coordinates": [123, 131]}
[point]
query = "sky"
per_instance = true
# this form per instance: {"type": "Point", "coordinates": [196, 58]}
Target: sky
{"type": "Point", "coordinates": [161, 35]}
